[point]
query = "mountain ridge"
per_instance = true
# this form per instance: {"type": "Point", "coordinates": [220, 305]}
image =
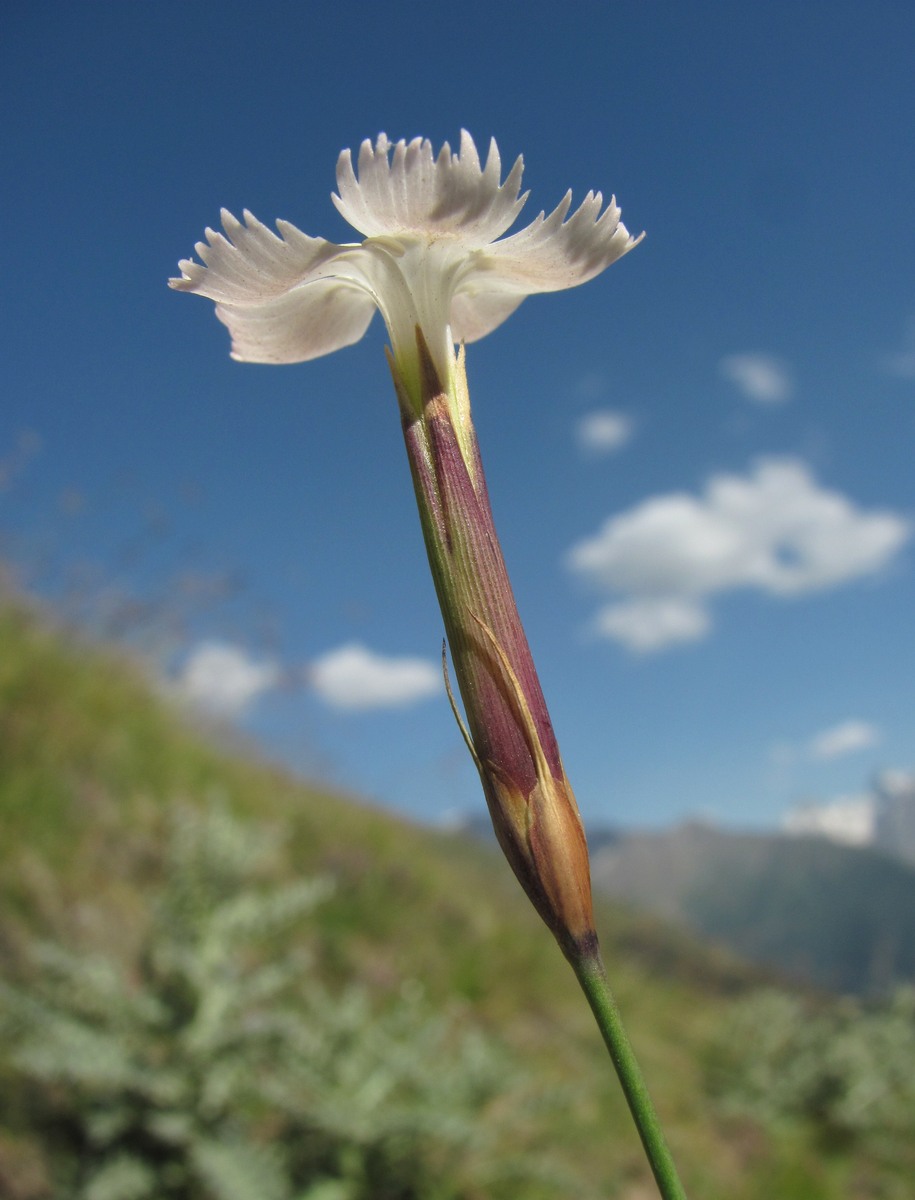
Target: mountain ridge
{"type": "Point", "coordinates": [838, 917]}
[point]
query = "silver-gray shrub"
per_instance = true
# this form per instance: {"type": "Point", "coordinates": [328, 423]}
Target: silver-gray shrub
{"type": "Point", "coordinates": [215, 1065]}
{"type": "Point", "coordinates": [846, 1068]}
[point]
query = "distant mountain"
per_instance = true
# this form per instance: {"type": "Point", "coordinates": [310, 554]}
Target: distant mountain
{"type": "Point", "coordinates": [838, 917]}
{"type": "Point", "coordinates": [882, 817]}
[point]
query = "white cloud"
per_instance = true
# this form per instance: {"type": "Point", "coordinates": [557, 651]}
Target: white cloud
{"type": "Point", "coordinates": [850, 820]}
{"type": "Point", "coordinates": [775, 529]}
{"type": "Point", "coordinates": [353, 677]}
{"type": "Point", "coordinates": [844, 738]}
{"type": "Point", "coordinates": [224, 678]}
{"type": "Point", "coordinates": [902, 362]}
{"type": "Point", "coordinates": [603, 431]}
{"type": "Point", "coordinates": [895, 782]}
{"type": "Point", "coordinates": [649, 623]}
{"type": "Point", "coordinates": [761, 378]}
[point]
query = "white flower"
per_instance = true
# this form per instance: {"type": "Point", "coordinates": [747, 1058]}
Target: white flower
{"type": "Point", "coordinates": [430, 258]}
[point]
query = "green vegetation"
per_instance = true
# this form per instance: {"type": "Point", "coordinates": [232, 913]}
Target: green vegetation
{"type": "Point", "coordinates": [216, 1064]}
{"type": "Point", "coordinates": [843, 1072]}
{"type": "Point", "coordinates": [214, 974]}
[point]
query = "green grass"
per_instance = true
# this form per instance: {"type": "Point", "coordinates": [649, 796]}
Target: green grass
{"type": "Point", "coordinates": [92, 762]}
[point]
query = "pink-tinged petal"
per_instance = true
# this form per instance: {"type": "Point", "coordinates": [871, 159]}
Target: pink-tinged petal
{"type": "Point", "coordinates": [251, 263]}
{"type": "Point", "coordinates": [402, 188]}
{"type": "Point", "coordinates": [473, 315]}
{"type": "Point", "coordinates": [553, 253]}
{"type": "Point", "coordinates": [304, 323]}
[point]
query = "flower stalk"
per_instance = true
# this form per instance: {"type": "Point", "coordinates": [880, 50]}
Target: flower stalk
{"type": "Point", "coordinates": [590, 972]}
{"type": "Point", "coordinates": [435, 264]}
{"type": "Point", "coordinates": [508, 732]}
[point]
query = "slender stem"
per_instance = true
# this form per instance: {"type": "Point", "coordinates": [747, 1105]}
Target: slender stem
{"type": "Point", "coordinates": [593, 979]}
{"type": "Point", "coordinates": [508, 730]}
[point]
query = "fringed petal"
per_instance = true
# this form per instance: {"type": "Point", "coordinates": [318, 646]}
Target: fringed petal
{"type": "Point", "coordinates": [402, 188]}
{"type": "Point", "coordinates": [251, 263]}
{"type": "Point", "coordinates": [553, 253]}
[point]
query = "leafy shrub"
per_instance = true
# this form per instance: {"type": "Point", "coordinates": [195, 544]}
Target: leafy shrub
{"type": "Point", "coordinates": [846, 1069]}
{"type": "Point", "coordinates": [216, 1066]}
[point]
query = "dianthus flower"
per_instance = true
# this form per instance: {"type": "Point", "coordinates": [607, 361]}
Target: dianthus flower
{"type": "Point", "coordinates": [436, 266]}
{"type": "Point", "coordinates": [433, 258]}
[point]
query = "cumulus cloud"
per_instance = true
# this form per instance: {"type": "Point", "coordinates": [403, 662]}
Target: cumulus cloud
{"type": "Point", "coordinates": [845, 738]}
{"type": "Point", "coordinates": [225, 679]}
{"type": "Point", "coordinates": [847, 819]}
{"type": "Point", "coordinates": [649, 623]}
{"type": "Point", "coordinates": [895, 782]}
{"type": "Point", "coordinates": [760, 377]}
{"type": "Point", "coordinates": [352, 677]}
{"type": "Point", "coordinates": [775, 530]}
{"type": "Point", "coordinates": [603, 431]}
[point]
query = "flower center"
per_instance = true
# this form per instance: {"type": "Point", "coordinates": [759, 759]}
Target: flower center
{"type": "Point", "coordinates": [412, 280]}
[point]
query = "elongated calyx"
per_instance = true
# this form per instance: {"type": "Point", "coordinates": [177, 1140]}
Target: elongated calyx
{"type": "Point", "coordinates": [438, 263]}
{"type": "Point", "coordinates": [508, 730]}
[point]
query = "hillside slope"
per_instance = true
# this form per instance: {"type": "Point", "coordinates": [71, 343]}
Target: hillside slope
{"type": "Point", "coordinates": [92, 768]}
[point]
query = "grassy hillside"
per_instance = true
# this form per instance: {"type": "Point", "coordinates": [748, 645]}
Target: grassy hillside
{"type": "Point", "coordinates": [835, 916]}
{"type": "Point", "coordinates": [97, 778]}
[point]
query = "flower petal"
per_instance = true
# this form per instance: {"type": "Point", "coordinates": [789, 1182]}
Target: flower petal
{"type": "Point", "coordinates": [553, 253]}
{"type": "Point", "coordinates": [306, 322]}
{"type": "Point", "coordinates": [430, 258]}
{"type": "Point", "coordinates": [473, 315]}
{"type": "Point", "coordinates": [252, 263]}
{"type": "Point", "coordinates": [402, 188]}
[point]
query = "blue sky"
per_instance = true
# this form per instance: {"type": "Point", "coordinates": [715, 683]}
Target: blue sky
{"type": "Point", "coordinates": [700, 463]}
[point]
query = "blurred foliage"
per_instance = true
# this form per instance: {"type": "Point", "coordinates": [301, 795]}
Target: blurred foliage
{"type": "Point", "coordinates": [183, 1014]}
{"type": "Point", "coordinates": [846, 1071]}
{"type": "Point", "coordinates": [208, 1067]}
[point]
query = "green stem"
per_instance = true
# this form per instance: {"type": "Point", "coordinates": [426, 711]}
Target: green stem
{"type": "Point", "coordinates": [593, 979]}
